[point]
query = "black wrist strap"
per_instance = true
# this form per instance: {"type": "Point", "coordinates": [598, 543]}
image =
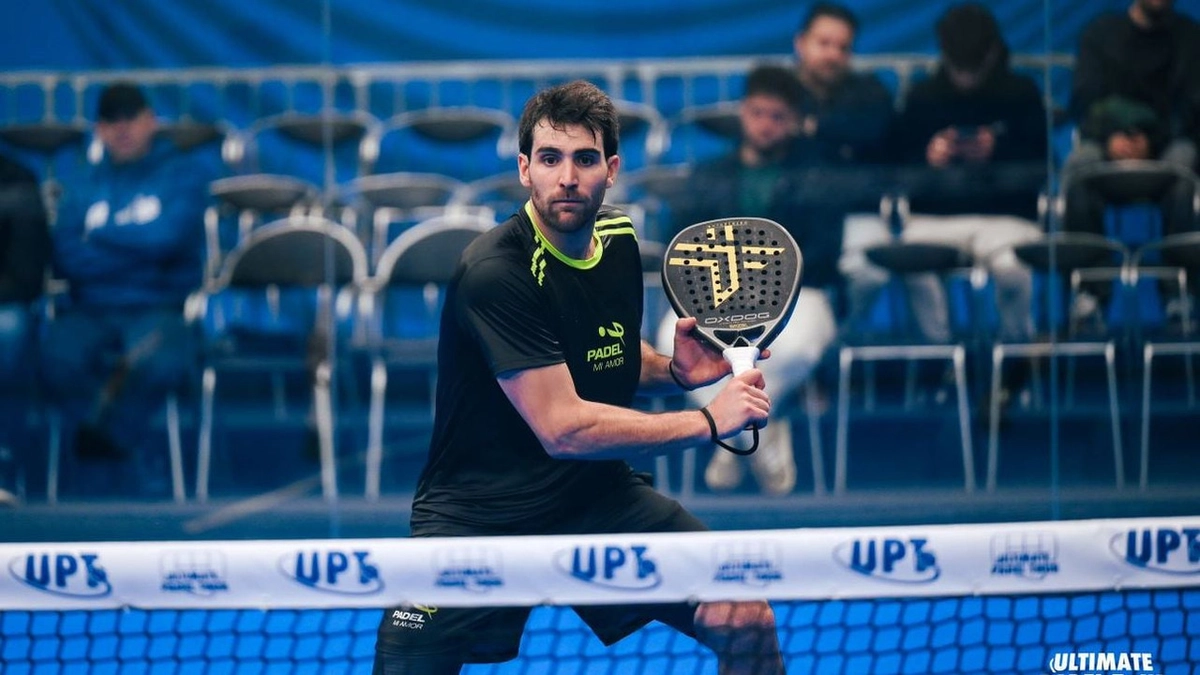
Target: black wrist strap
{"type": "Point", "coordinates": [715, 437]}
{"type": "Point", "coordinates": [675, 376]}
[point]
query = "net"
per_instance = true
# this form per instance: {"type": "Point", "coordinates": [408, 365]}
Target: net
{"type": "Point", "coordinates": [1082, 597]}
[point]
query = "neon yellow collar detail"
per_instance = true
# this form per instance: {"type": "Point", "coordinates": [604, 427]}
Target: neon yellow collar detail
{"type": "Point", "coordinates": [585, 264]}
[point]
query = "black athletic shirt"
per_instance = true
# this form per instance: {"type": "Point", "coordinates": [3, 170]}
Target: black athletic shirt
{"type": "Point", "coordinates": [517, 303]}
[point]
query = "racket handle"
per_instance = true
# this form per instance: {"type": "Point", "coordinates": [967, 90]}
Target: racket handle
{"type": "Point", "coordinates": [741, 358]}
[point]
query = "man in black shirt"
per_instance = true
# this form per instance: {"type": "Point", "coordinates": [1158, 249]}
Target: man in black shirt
{"type": "Point", "coordinates": [536, 376]}
{"type": "Point", "coordinates": [845, 121]}
{"type": "Point", "coordinates": [845, 114]}
{"type": "Point", "coordinates": [1136, 95]}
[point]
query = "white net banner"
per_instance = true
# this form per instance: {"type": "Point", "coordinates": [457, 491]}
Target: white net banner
{"type": "Point", "coordinates": [834, 563]}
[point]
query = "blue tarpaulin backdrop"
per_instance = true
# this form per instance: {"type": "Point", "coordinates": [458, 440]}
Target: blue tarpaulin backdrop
{"type": "Point", "coordinates": [120, 34]}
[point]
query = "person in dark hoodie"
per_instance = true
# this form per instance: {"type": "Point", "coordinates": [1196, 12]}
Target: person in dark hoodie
{"type": "Point", "coordinates": [129, 242]}
{"type": "Point", "coordinates": [24, 252]}
{"type": "Point", "coordinates": [1135, 95]}
{"type": "Point", "coordinates": [974, 137]}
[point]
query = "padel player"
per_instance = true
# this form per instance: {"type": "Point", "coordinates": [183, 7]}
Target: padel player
{"type": "Point", "coordinates": [538, 364]}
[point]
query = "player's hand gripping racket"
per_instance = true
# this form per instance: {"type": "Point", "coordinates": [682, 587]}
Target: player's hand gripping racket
{"type": "Point", "coordinates": [739, 277]}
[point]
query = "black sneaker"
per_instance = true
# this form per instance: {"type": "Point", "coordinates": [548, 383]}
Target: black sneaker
{"type": "Point", "coordinates": [91, 442]}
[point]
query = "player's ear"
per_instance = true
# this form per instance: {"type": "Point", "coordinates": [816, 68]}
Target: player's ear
{"type": "Point", "coordinates": [614, 165]}
{"type": "Point", "coordinates": [523, 169]}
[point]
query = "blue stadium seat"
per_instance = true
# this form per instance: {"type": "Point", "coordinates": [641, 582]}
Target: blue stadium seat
{"type": "Point", "coordinates": [320, 261]}
{"type": "Point", "coordinates": [400, 306]}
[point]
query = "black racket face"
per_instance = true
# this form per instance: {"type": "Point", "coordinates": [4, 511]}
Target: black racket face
{"type": "Point", "coordinates": [738, 276]}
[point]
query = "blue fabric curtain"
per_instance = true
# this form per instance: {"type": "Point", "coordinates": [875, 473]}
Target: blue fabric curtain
{"type": "Point", "coordinates": [101, 34]}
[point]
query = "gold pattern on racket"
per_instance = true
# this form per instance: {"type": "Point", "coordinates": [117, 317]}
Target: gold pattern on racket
{"type": "Point", "coordinates": [728, 256]}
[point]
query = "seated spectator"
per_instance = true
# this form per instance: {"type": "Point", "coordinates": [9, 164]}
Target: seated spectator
{"type": "Point", "coordinates": [1135, 95]}
{"type": "Point", "coordinates": [759, 179]}
{"type": "Point", "coordinates": [24, 252]}
{"type": "Point", "coordinates": [846, 118]}
{"type": "Point", "coordinates": [129, 242]}
{"type": "Point", "coordinates": [975, 136]}
{"type": "Point", "coordinates": [847, 115]}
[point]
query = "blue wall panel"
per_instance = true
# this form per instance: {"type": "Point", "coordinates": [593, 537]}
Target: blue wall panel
{"type": "Point", "coordinates": [90, 34]}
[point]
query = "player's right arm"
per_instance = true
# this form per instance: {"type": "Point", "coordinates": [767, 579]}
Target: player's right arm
{"type": "Point", "coordinates": [570, 427]}
{"type": "Point", "coordinates": [501, 308]}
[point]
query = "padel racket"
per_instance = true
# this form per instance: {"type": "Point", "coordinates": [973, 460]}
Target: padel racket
{"type": "Point", "coordinates": [739, 277]}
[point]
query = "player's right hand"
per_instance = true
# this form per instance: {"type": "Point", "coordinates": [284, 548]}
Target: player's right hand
{"type": "Point", "coordinates": [740, 403]}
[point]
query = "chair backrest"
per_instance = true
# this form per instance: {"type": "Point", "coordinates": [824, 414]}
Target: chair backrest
{"type": "Point", "coordinates": [1070, 251]}
{"type": "Point", "coordinates": [464, 142]}
{"type": "Point", "coordinates": [429, 252]}
{"type": "Point", "coordinates": [190, 134]}
{"type": "Point", "coordinates": [644, 134]}
{"type": "Point", "coordinates": [1174, 259]}
{"type": "Point", "coordinates": [1178, 250]}
{"type": "Point", "coordinates": [301, 251]}
{"type": "Point", "coordinates": [404, 190]}
{"type": "Point", "coordinates": [293, 144]}
{"type": "Point", "coordinates": [702, 132]}
{"type": "Point", "coordinates": [501, 192]}
{"type": "Point", "coordinates": [1134, 180]}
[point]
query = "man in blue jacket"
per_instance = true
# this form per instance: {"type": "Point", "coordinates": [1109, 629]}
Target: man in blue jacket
{"type": "Point", "coordinates": [129, 242]}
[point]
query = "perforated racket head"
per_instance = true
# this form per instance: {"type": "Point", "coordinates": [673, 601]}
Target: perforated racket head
{"type": "Point", "coordinates": [739, 277]}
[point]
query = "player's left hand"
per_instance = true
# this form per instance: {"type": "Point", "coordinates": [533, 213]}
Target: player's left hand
{"type": "Point", "coordinates": [696, 362]}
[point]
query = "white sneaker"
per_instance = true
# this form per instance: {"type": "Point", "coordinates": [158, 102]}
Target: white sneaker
{"type": "Point", "coordinates": [774, 465]}
{"type": "Point", "coordinates": [724, 471]}
{"type": "Point", "coordinates": [8, 499]}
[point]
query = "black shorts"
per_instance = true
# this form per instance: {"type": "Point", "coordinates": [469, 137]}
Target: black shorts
{"type": "Point", "coordinates": [493, 634]}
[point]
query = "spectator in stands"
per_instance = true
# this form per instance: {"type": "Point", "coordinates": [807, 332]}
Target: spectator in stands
{"type": "Point", "coordinates": [846, 118]}
{"type": "Point", "coordinates": [975, 133]}
{"type": "Point", "coordinates": [24, 252]}
{"type": "Point", "coordinates": [1136, 95]}
{"type": "Point", "coordinates": [974, 137]}
{"type": "Point", "coordinates": [761, 178]}
{"type": "Point", "coordinates": [1136, 88]}
{"type": "Point", "coordinates": [847, 115]}
{"type": "Point", "coordinates": [129, 242]}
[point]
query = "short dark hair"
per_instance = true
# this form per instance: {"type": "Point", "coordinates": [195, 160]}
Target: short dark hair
{"type": "Point", "coordinates": [777, 81]}
{"type": "Point", "coordinates": [578, 102]}
{"type": "Point", "coordinates": [831, 10]}
{"type": "Point", "coordinates": [967, 34]}
{"type": "Point", "coordinates": [121, 101]}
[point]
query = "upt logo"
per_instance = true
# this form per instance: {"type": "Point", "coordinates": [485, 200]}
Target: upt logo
{"type": "Point", "coordinates": [621, 567]}
{"type": "Point", "coordinates": [67, 574]}
{"type": "Point", "coordinates": [897, 560]}
{"type": "Point", "coordinates": [333, 571]}
{"type": "Point", "coordinates": [1167, 550]}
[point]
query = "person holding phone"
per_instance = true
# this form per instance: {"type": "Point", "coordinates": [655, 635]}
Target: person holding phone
{"type": "Point", "coordinates": [973, 139]}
